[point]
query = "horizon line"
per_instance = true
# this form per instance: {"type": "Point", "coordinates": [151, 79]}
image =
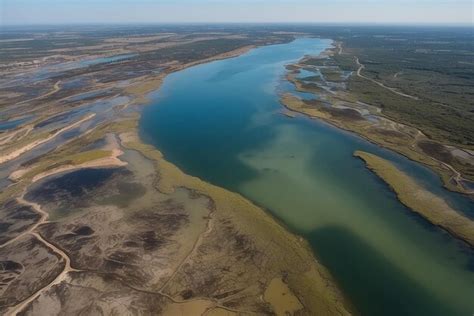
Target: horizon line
{"type": "Point", "coordinates": [338, 23]}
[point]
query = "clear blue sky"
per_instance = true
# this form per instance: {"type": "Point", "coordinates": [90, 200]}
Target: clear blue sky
{"type": "Point", "coordinates": [162, 11]}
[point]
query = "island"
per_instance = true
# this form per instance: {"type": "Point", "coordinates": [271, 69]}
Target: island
{"type": "Point", "coordinates": [236, 170]}
{"type": "Point", "coordinates": [420, 200]}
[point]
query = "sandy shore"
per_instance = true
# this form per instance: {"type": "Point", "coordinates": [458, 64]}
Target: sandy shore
{"type": "Point", "coordinates": [433, 208]}
{"type": "Point", "coordinates": [142, 88]}
{"type": "Point", "coordinates": [311, 283]}
{"type": "Point", "coordinates": [111, 161]}
{"type": "Point", "coordinates": [452, 178]}
{"type": "Point", "coordinates": [315, 289]}
{"type": "Point", "coordinates": [16, 153]}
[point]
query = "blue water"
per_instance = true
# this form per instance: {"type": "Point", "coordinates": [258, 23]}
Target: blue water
{"type": "Point", "coordinates": [221, 122]}
{"type": "Point", "coordinates": [308, 74]}
{"type": "Point", "coordinates": [6, 125]}
{"type": "Point", "coordinates": [103, 60]}
{"type": "Point", "coordinates": [286, 86]}
{"type": "Point", "coordinates": [86, 95]}
{"type": "Point", "coordinates": [57, 69]}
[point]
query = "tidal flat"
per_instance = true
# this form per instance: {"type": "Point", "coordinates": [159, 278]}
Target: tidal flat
{"type": "Point", "coordinates": [207, 201]}
{"type": "Point", "coordinates": [152, 240]}
{"type": "Point", "coordinates": [227, 128]}
{"type": "Point", "coordinates": [125, 230]}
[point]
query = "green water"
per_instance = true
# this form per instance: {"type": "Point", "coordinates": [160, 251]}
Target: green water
{"type": "Point", "coordinates": [221, 122]}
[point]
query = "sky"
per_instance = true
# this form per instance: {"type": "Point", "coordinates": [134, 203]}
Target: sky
{"type": "Point", "coordinates": [27, 12]}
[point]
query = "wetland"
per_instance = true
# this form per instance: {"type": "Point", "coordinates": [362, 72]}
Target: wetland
{"type": "Point", "coordinates": [210, 170]}
{"type": "Point", "coordinates": [222, 122]}
{"type": "Point", "coordinates": [95, 221]}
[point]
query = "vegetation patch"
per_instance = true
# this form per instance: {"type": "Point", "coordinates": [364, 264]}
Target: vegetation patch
{"type": "Point", "coordinates": [418, 199]}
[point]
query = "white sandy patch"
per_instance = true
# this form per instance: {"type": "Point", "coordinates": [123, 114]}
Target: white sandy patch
{"type": "Point", "coordinates": [14, 154]}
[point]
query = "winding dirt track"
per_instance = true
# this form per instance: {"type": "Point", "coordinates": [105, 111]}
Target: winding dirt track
{"type": "Point", "coordinates": [44, 215]}
{"type": "Point", "coordinates": [359, 74]}
{"type": "Point", "coordinates": [457, 176]}
{"type": "Point", "coordinates": [67, 266]}
{"type": "Point", "coordinates": [67, 261]}
{"type": "Point", "coordinates": [56, 88]}
{"type": "Point", "coordinates": [59, 278]}
{"type": "Point", "coordinates": [113, 160]}
{"type": "Point", "coordinates": [393, 90]}
{"type": "Point", "coordinates": [38, 210]}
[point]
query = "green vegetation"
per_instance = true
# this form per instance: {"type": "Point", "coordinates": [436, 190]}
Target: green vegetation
{"type": "Point", "coordinates": [434, 66]}
{"type": "Point", "coordinates": [309, 280]}
{"type": "Point", "coordinates": [420, 78]}
{"type": "Point", "coordinates": [436, 120]}
{"type": "Point", "coordinates": [74, 159]}
{"type": "Point", "coordinates": [330, 74]}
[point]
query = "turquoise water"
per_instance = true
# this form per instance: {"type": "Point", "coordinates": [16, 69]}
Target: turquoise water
{"type": "Point", "coordinates": [221, 122]}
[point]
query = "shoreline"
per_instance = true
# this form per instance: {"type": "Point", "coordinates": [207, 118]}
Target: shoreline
{"type": "Point", "coordinates": [141, 89]}
{"type": "Point", "coordinates": [313, 284]}
{"type": "Point", "coordinates": [364, 137]}
{"type": "Point", "coordinates": [444, 181]}
{"type": "Point", "coordinates": [252, 214]}
{"type": "Point", "coordinates": [342, 300]}
{"type": "Point", "coordinates": [431, 207]}
{"type": "Point", "coordinates": [16, 153]}
{"type": "Point", "coordinates": [108, 162]}
{"type": "Point", "coordinates": [444, 171]}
